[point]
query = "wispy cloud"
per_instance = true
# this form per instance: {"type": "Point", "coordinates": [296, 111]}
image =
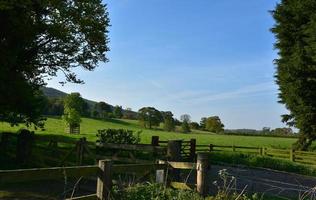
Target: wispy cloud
{"type": "Point", "coordinates": [195, 97]}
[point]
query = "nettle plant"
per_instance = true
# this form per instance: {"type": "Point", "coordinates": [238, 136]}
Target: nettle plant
{"type": "Point", "coordinates": [118, 136]}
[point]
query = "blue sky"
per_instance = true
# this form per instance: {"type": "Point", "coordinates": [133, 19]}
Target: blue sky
{"type": "Point", "coordinates": [202, 57]}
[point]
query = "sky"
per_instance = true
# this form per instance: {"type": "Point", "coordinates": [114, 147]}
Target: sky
{"type": "Point", "coordinates": [197, 57]}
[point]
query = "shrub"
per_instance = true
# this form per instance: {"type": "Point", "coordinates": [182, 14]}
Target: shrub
{"type": "Point", "coordinates": [154, 191]}
{"type": "Point", "coordinates": [118, 136]}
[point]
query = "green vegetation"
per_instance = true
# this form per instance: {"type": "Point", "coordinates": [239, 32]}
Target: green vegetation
{"type": "Point", "coordinates": [295, 30]}
{"type": "Point", "coordinates": [55, 127]}
{"type": "Point", "coordinates": [250, 160]}
{"type": "Point", "coordinates": [214, 124]}
{"type": "Point", "coordinates": [118, 136]}
{"type": "Point", "coordinates": [38, 41]}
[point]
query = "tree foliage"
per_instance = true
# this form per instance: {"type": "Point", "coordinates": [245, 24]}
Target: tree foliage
{"type": "Point", "coordinates": [168, 121]}
{"type": "Point", "coordinates": [39, 39]}
{"type": "Point", "coordinates": [73, 108]}
{"type": "Point", "coordinates": [149, 117]}
{"type": "Point", "coordinates": [103, 109]}
{"type": "Point", "coordinates": [295, 30]}
{"type": "Point", "coordinates": [214, 124]}
{"type": "Point", "coordinates": [185, 126]}
{"type": "Point", "coordinates": [118, 112]}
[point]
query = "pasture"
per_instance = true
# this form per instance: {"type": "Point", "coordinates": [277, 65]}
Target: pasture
{"type": "Point", "coordinates": [89, 127]}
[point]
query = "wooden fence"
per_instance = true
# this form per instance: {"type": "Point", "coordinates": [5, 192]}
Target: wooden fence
{"type": "Point", "coordinates": [106, 169]}
{"type": "Point", "coordinates": [304, 157]}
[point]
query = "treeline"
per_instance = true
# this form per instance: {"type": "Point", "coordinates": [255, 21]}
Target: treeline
{"type": "Point", "coordinates": [266, 131]}
{"type": "Point", "coordinates": [150, 117]}
{"type": "Point", "coordinates": [100, 110]}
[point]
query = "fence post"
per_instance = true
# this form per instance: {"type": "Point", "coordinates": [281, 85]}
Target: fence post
{"type": "Point", "coordinates": [155, 140]}
{"type": "Point", "coordinates": [161, 173]}
{"type": "Point", "coordinates": [261, 151]}
{"type": "Point", "coordinates": [192, 149]}
{"type": "Point", "coordinates": [292, 156]}
{"type": "Point", "coordinates": [211, 147]}
{"type": "Point", "coordinates": [104, 183]}
{"type": "Point", "coordinates": [234, 149]}
{"type": "Point", "coordinates": [202, 166]}
{"type": "Point", "coordinates": [174, 154]}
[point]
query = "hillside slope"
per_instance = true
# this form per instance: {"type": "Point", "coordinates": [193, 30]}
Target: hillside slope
{"type": "Point", "coordinates": [55, 127]}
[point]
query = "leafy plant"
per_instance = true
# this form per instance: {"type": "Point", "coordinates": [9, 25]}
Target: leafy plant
{"type": "Point", "coordinates": [118, 136]}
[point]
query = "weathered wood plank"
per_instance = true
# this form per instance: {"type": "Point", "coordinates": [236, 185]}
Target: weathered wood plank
{"type": "Point", "coordinates": [182, 165]}
{"type": "Point", "coordinates": [181, 186]}
{"type": "Point", "coordinates": [136, 168]}
{"type": "Point", "coordinates": [21, 175]}
{"type": "Point", "coordinates": [138, 147]}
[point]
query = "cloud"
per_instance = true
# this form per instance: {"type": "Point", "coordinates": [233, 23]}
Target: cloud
{"type": "Point", "coordinates": [196, 97]}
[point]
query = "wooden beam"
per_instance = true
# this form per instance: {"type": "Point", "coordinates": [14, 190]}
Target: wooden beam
{"type": "Point", "coordinates": [22, 175]}
{"type": "Point", "coordinates": [181, 186]}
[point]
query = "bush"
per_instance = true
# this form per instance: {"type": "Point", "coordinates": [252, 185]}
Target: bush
{"type": "Point", "coordinates": [154, 191]}
{"type": "Point", "coordinates": [118, 136]}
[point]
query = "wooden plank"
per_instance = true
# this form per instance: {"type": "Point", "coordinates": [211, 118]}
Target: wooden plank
{"type": "Point", "coordinates": [136, 168]}
{"type": "Point", "coordinates": [305, 157]}
{"type": "Point", "coordinates": [21, 175]}
{"type": "Point", "coordinates": [137, 147]}
{"type": "Point", "coordinates": [86, 197]}
{"type": "Point", "coordinates": [181, 186]}
{"type": "Point", "coordinates": [182, 165]}
{"type": "Point", "coordinates": [306, 153]}
{"type": "Point", "coordinates": [125, 160]}
{"type": "Point", "coordinates": [278, 155]}
{"type": "Point", "coordinates": [279, 150]}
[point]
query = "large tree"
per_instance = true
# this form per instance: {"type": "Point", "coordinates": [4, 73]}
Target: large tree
{"type": "Point", "coordinates": [73, 109]}
{"type": "Point", "coordinates": [38, 39]}
{"type": "Point", "coordinates": [214, 124]}
{"type": "Point", "coordinates": [185, 126]}
{"type": "Point", "coordinates": [168, 121]}
{"type": "Point", "coordinates": [149, 117]}
{"type": "Point", "coordinates": [295, 31]}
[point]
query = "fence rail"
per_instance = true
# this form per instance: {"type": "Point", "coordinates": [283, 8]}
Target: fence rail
{"type": "Point", "coordinates": [104, 172]}
{"type": "Point", "coordinates": [304, 157]}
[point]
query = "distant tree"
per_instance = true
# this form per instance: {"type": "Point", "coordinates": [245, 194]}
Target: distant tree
{"type": "Point", "coordinates": [41, 38]}
{"type": "Point", "coordinates": [214, 124]}
{"type": "Point", "coordinates": [103, 109]}
{"type": "Point", "coordinates": [266, 130]}
{"type": "Point", "coordinates": [168, 121]}
{"type": "Point", "coordinates": [73, 108]}
{"type": "Point", "coordinates": [149, 116]}
{"type": "Point", "coordinates": [203, 123]}
{"type": "Point", "coordinates": [118, 112]}
{"type": "Point", "coordinates": [282, 131]}
{"type": "Point", "coordinates": [194, 125]}
{"type": "Point", "coordinates": [186, 119]}
{"type": "Point", "coordinates": [295, 32]}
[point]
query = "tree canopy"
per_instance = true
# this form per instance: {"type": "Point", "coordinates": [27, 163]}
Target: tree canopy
{"type": "Point", "coordinates": [168, 121]}
{"type": "Point", "coordinates": [295, 31]}
{"type": "Point", "coordinates": [149, 117]}
{"type": "Point", "coordinates": [73, 109]}
{"type": "Point", "coordinates": [38, 39]}
{"type": "Point", "coordinates": [214, 124]}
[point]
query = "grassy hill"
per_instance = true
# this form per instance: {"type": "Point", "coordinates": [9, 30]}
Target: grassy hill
{"type": "Point", "coordinates": [89, 127]}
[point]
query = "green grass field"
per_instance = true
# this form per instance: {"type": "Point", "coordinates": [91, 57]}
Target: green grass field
{"type": "Point", "coordinates": [89, 127]}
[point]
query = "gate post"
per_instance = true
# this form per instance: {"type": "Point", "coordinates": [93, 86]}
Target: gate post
{"type": "Point", "coordinates": [192, 149]}
{"type": "Point", "coordinates": [174, 154]}
{"type": "Point", "coordinates": [202, 166]}
{"type": "Point", "coordinates": [104, 183]}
